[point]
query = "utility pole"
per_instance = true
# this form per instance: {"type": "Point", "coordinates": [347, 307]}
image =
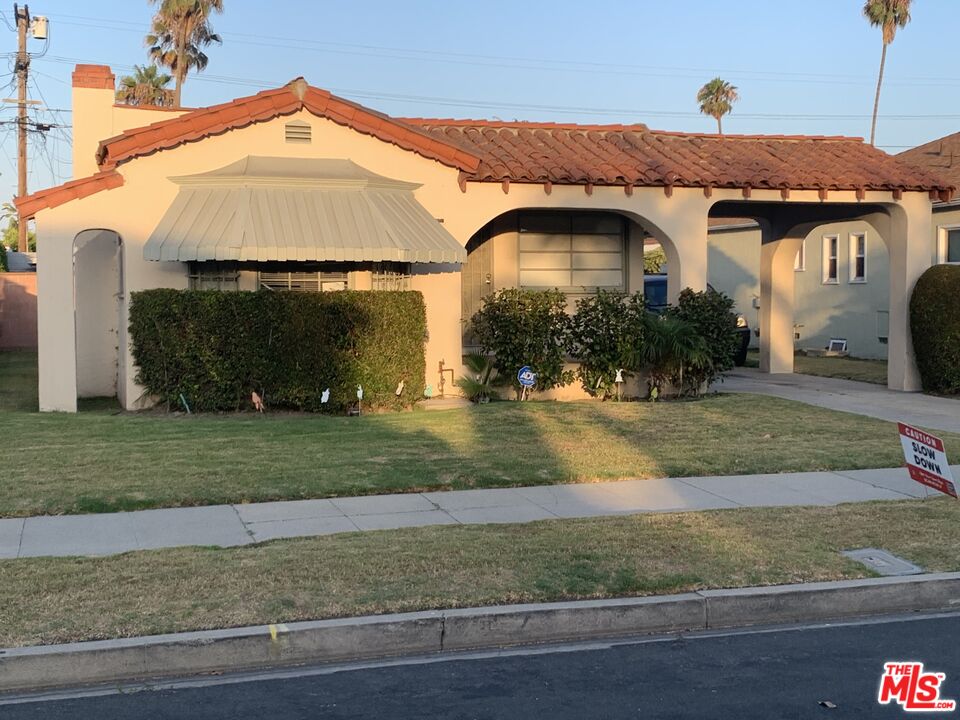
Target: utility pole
{"type": "Point", "coordinates": [23, 70]}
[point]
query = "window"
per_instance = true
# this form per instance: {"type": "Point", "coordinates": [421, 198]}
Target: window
{"type": "Point", "coordinates": [576, 252]}
{"type": "Point", "coordinates": [303, 281]}
{"type": "Point", "coordinates": [948, 245]}
{"type": "Point", "coordinates": [858, 257]}
{"type": "Point", "coordinates": [831, 259]}
{"type": "Point", "coordinates": [391, 276]}
{"type": "Point", "coordinates": [800, 261]}
{"type": "Point", "coordinates": [214, 276]}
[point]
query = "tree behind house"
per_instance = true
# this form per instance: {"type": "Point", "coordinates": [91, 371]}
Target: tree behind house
{"type": "Point", "coordinates": [180, 31]}
{"type": "Point", "coordinates": [147, 86]}
{"type": "Point", "coordinates": [716, 99]}
{"type": "Point", "coordinates": [889, 15]}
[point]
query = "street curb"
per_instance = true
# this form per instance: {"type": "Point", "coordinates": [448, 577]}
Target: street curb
{"type": "Point", "coordinates": [439, 631]}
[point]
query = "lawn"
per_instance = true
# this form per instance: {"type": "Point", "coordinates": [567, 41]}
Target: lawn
{"type": "Point", "coordinates": [51, 600]}
{"type": "Point", "coordinates": [101, 460]}
{"type": "Point", "coordinates": [844, 368]}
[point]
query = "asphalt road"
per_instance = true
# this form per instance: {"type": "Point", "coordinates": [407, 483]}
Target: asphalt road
{"type": "Point", "coordinates": [777, 674]}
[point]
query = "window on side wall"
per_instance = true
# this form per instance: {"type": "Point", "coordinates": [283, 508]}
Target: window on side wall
{"type": "Point", "coordinates": [214, 276]}
{"type": "Point", "coordinates": [858, 257]}
{"type": "Point", "coordinates": [575, 252]}
{"type": "Point", "coordinates": [303, 281]}
{"type": "Point", "coordinates": [800, 261]}
{"type": "Point", "coordinates": [831, 259]}
{"type": "Point", "coordinates": [948, 244]}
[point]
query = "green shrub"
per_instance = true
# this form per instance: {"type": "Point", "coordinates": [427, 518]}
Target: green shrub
{"type": "Point", "coordinates": [525, 327]}
{"type": "Point", "coordinates": [711, 314]}
{"type": "Point", "coordinates": [935, 325]}
{"type": "Point", "coordinates": [3, 258]}
{"type": "Point", "coordinates": [216, 348]}
{"type": "Point", "coordinates": [602, 332]}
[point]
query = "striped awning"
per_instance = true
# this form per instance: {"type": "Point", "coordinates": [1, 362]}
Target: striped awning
{"type": "Point", "coordinates": [267, 209]}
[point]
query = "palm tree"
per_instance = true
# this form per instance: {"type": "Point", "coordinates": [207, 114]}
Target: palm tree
{"type": "Point", "coordinates": [716, 99]}
{"type": "Point", "coordinates": [147, 86]}
{"type": "Point", "coordinates": [180, 31]}
{"type": "Point", "coordinates": [888, 15]}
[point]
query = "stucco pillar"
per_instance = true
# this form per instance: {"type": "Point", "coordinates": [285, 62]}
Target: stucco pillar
{"type": "Point", "coordinates": [910, 244]}
{"type": "Point", "coordinates": [682, 232]}
{"type": "Point", "coordinates": [776, 302]}
{"type": "Point", "coordinates": [56, 323]}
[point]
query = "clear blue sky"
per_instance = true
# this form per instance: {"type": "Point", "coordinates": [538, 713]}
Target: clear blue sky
{"type": "Point", "coordinates": [811, 69]}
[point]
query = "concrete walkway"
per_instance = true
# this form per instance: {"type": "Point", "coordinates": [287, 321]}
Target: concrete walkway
{"type": "Point", "coordinates": [231, 525]}
{"type": "Point", "coordinates": [862, 398]}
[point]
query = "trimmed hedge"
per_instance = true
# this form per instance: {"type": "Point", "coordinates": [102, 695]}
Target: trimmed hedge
{"type": "Point", "coordinates": [216, 348]}
{"type": "Point", "coordinates": [935, 325]}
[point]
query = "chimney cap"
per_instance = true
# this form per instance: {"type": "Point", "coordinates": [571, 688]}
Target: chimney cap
{"type": "Point", "coordinates": [98, 77]}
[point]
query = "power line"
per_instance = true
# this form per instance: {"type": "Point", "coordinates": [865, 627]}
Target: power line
{"type": "Point", "coordinates": [515, 62]}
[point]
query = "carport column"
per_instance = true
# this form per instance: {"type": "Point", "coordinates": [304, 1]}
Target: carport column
{"type": "Point", "coordinates": [56, 322]}
{"type": "Point", "coordinates": [911, 247]}
{"type": "Point", "coordinates": [684, 240]}
{"type": "Point", "coordinates": [776, 302]}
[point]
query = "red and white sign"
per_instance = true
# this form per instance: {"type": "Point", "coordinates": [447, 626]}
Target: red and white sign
{"type": "Point", "coordinates": [906, 684]}
{"type": "Point", "coordinates": [926, 459]}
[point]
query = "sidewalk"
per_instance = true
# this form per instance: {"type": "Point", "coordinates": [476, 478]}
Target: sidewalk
{"type": "Point", "coordinates": [927, 411]}
{"type": "Point", "coordinates": [231, 525]}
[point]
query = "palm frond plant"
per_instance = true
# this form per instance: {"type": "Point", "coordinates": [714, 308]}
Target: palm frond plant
{"type": "Point", "coordinates": [147, 86]}
{"type": "Point", "coordinates": [672, 352]}
{"type": "Point", "coordinates": [478, 384]}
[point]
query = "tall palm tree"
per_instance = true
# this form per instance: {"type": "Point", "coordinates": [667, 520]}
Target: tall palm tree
{"type": "Point", "coordinates": [888, 15]}
{"type": "Point", "coordinates": [180, 31]}
{"type": "Point", "coordinates": [147, 86]}
{"type": "Point", "coordinates": [716, 99]}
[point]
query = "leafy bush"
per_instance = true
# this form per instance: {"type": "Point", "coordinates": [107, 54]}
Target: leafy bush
{"type": "Point", "coordinates": [216, 348]}
{"type": "Point", "coordinates": [525, 327]}
{"type": "Point", "coordinates": [711, 315]}
{"type": "Point", "coordinates": [3, 258]}
{"type": "Point", "coordinates": [604, 329]}
{"type": "Point", "coordinates": [935, 325]}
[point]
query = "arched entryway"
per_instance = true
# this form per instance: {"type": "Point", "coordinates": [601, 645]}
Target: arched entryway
{"type": "Point", "coordinates": [98, 295]}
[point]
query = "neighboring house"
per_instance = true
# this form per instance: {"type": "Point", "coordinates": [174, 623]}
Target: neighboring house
{"type": "Point", "coordinates": [297, 189]}
{"type": "Point", "coordinates": [841, 288]}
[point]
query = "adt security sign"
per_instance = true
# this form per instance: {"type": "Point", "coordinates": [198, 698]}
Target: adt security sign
{"type": "Point", "coordinates": [527, 377]}
{"type": "Point", "coordinates": [926, 459]}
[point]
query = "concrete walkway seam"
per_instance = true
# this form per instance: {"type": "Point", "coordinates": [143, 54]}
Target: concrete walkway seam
{"type": "Point", "coordinates": [420, 633]}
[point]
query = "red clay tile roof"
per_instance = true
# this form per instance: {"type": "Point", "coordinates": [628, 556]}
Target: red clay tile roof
{"type": "Point", "coordinates": [634, 155]}
{"type": "Point", "coordinates": [562, 153]}
{"type": "Point", "coordinates": [30, 205]}
{"type": "Point", "coordinates": [268, 105]}
{"type": "Point", "coordinates": [940, 157]}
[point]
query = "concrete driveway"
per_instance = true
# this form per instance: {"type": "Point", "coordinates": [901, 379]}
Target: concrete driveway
{"type": "Point", "coordinates": [861, 398]}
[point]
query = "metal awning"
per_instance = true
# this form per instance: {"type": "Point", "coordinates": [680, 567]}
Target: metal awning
{"type": "Point", "coordinates": [265, 209]}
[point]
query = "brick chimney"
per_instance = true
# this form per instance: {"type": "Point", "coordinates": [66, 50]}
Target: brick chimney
{"type": "Point", "coordinates": [94, 92]}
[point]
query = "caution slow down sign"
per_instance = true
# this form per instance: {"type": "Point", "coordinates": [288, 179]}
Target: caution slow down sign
{"type": "Point", "coordinates": [926, 459]}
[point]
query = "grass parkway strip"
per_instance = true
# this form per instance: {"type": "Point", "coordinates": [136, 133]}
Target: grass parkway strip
{"type": "Point", "coordinates": [53, 600]}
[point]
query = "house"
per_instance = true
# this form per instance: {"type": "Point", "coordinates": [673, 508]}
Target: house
{"type": "Point", "coordinates": [841, 269]}
{"type": "Point", "coordinates": [296, 188]}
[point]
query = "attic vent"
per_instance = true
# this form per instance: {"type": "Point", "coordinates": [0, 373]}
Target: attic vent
{"type": "Point", "coordinates": [297, 132]}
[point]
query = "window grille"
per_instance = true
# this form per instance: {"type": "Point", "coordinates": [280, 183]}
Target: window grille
{"type": "Point", "coordinates": [213, 276]}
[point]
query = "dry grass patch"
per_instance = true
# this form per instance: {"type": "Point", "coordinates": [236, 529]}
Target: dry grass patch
{"type": "Point", "coordinates": [59, 600]}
